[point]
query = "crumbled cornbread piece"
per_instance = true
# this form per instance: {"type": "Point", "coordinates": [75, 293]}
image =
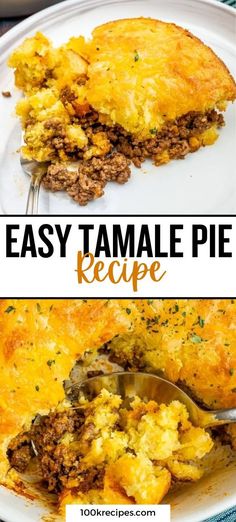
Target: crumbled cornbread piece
{"type": "Point", "coordinates": [37, 64]}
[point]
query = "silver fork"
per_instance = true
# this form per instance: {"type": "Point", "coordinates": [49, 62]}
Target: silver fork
{"type": "Point", "coordinates": [36, 171]}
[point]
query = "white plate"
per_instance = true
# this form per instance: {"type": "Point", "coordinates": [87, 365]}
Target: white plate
{"type": "Point", "coordinates": [204, 183]}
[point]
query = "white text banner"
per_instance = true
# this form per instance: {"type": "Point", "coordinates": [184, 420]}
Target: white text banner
{"type": "Point", "coordinates": [125, 513]}
{"type": "Point", "coordinates": [79, 256]}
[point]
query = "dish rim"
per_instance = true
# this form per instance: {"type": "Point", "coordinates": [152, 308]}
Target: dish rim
{"type": "Point", "coordinates": [29, 22]}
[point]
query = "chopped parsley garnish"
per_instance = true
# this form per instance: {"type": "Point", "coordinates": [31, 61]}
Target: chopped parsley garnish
{"type": "Point", "coordinates": [38, 307]}
{"type": "Point", "coordinates": [201, 322]}
{"type": "Point", "coordinates": [136, 56]}
{"type": "Point", "coordinates": [149, 301]}
{"type": "Point", "coordinates": [176, 308]}
{"type": "Point", "coordinates": [37, 387]}
{"type": "Point", "coordinates": [10, 309]}
{"type": "Point", "coordinates": [153, 131]}
{"type": "Point", "coordinates": [128, 311]}
{"type": "Point", "coordinates": [196, 339]}
{"type": "Point", "coordinates": [50, 362]}
{"type": "Point", "coordinates": [184, 314]}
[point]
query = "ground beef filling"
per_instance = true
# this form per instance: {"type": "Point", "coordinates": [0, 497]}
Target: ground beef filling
{"type": "Point", "coordinates": [59, 460]}
{"type": "Point", "coordinates": [86, 179]}
{"type": "Point", "coordinates": [177, 137]}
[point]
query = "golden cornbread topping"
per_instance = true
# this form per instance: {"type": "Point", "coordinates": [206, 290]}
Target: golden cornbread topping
{"type": "Point", "coordinates": [164, 71]}
{"type": "Point", "coordinates": [75, 111]}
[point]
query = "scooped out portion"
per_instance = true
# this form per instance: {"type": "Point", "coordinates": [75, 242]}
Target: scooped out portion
{"type": "Point", "coordinates": [159, 97]}
{"type": "Point", "coordinates": [104, 453]}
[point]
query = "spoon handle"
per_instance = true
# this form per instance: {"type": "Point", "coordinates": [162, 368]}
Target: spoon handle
{"type": "Point", "coordinates": [217, 418]}
{"type": "Point", "coordinates": [33, 195]}
{"type": "Point", "coordinates": [225, 416]}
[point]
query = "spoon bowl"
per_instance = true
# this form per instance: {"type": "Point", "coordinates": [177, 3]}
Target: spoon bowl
{"type": "Point", "coordinates": [148, 387]}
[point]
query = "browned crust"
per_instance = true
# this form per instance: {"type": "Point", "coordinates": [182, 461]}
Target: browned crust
{"type": "Point", "coordinates": [186, 32]}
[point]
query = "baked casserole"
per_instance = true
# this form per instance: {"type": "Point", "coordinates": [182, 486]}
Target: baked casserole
{"type": "Point", "coordinates": [139, 88]}
{"type": "Point", "coordinates": [101, 452]}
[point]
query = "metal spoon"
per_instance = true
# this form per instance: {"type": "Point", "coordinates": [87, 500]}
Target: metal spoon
{"type": "Point", "coordinates": [150, 387]}
{"type": "Point", "coordinates": [36, 171]}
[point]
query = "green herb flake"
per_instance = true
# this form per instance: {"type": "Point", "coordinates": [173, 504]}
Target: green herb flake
{"type": "Point", "coordinates": [149, 301]}
{"type": "Point", "coordinates": [153, 131]}
{"type": "Point", "coordinates": [128, 311]}
{"type": "Point", "coordinates": [37, 387]}
{"type": "Point", "coordinates": [184, 314]}
{"type": "Point", "coordinates": [231, 371]}
{"type": "Point", "coordinates": [10, 309]}
{"type": "Point", "coordinates": [176, 308]}
{"type": "Point", "coordinates": [201, 322]}
{"type": "Point", "coordinates": [38, 308]}
{"type": "Point", "coordinates": [50, 362]}
{"type": "Point", "coordinates": [136, 56]}
{"type": "Point", "coordinates": [196, 339]}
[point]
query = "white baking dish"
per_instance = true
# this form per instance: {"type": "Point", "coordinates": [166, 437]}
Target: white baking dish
{"type": "Point", "coordinates": [195, 503]}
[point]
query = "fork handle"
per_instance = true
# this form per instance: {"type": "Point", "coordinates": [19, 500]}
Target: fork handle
{"type": "Point", "coordinates": [33, 195]}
